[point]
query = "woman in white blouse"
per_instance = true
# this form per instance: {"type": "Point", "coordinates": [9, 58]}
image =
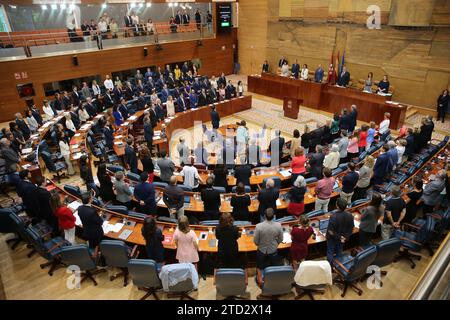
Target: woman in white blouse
{"type": "Point", "coordinates": [69, 123]}
{"type": "Point", "coordinates": [95, 88]}
{"type": "Point", "coordinates": [31, 121]}
{"type": "Point", "coordinates": [304, 72]}
{"type": "Point", "coordinates": [153, 97]}
{"type": "Point", "coordinates": [83, 114]}
{"type": "Point", "coordinates": [170, 107]}
{"type": "Point", "coordinates": [285, 70]}
{"type": "Point", "coordinates": [65, 152]}
{"type": "Point", "coordinates": [48, 111]}
{"type": "Point", "coordinates": [150, 26]}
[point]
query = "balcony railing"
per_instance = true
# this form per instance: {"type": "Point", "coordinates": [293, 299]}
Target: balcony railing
{"type": "Point", "coordinates": [20, 45]}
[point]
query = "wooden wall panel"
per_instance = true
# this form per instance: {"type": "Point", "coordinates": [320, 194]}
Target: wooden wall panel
{"type": "Point", "coordinates": [47, 69]}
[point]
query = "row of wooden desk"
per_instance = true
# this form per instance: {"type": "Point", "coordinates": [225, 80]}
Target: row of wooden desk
{"type": "Point", "coordinates": [332, 99]}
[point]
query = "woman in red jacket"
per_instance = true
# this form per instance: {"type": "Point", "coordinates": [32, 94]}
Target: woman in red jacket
{"type": "Point", "coordinates": [300, 235]}
{"type": "Point", "coordinates": [66, 219]}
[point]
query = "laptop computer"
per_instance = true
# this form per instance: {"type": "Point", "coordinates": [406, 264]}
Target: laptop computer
{"type": "Point", "coordinates": [323, 225]}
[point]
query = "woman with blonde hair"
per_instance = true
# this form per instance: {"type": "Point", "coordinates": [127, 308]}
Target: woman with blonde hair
{"type": "Point", "coordinates": [365, 174]}
{"type": "Point", "coordinates": [170, 106]}
{"type": "Point", "coordinates": [186, 241]}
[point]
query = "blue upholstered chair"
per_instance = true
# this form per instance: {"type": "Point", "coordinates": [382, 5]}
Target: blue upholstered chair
{"type": "Point", "coordinates": [310, 180]}
{"type": "Point", "coordinates": [80, 256]}
{"type": "Point", "coordinates": [133, 177]}
{"type": "Point", "coordinates": [73, 190]}
{"type": "Point", "coordinates": [144, 274]}
{"type": "Point", "coordinates": [167, 219]}
{"type": "Point", "coordinates": [247, 189]}
{"type": "Point", "coordinates": [315, 213]}
{"type": "Point", "coordinates": [117, 254]}
{"type": "Point", "coordinates": [276, 281]}
{"type": "Point", "coordinates": [358, 202]}
{"type": "Point", "coordinates": [286, 219]}
{"type": "Point", "coordinates": [213, 223]}
{"type": "Point", "coordinates": [117, 208]}
{"type": "Point", "coordinates": [115, 168]}
{"type": "Point", "coordinates": [351, 269]}
{"type": "Point", "coordinates": [387, 251]}
{"type": "Point", "coordinates": [185, 188]}
{"type": "Point", "coordinates": [158, 184]}
{"type": "Point", "coordinates": [220, 189]}
{"type": "Point", "coordinates": [50, 250]}
{"type": "Point", "coordinates": [418, 236]}
{"type": "Point", "coordinates": [231, 283]}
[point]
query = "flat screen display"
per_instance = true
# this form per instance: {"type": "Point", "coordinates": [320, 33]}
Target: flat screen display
{"type": "Point", "coordinates": [224, 17]}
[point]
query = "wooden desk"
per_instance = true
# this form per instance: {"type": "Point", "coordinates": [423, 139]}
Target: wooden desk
{"type": "Point", "coordinates": [371, 106]}
{"type": "Point", "coordinates": [276, 86]}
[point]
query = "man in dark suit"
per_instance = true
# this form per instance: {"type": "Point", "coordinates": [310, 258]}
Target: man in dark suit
{"type": "Point", "coordinates": [186, 18]}
{"type": "Point", "coordinates": [295, 69]}
{"type": "Point", "coordinates": [282, 61]}
{"type": "Point", "coordinates": [128, 21]}
{"type": "Point", "coordinates": [267, 198]}
{"type": "Point", "coordinates": [178, 18]}
{"type": "Point", "coordinates": [144, 192]}
{"type": "Point", "coordinates": [184, 68]}
{"type": "Point", "coordinates": [75, 118]}
{"type": "Point", "coordinates": [215, 118]}
{"type": "Point", "coordinates": [23, 127]}
{"type": "Point", "coordinates": [66, 100]}
{"type": "Point", "coordinates": [276, 148]}
{"type": "Point", "coordinates": [243, 172]}
{"type": "Point", "coordinates": [345, 122]}
{"type": "Point", "coordinates": [109, 137]}
{"type": "Point", "coordinates": [91, 221]}
{"type": "Point", "coordinates": [27, 191]}
{"type": "Point", "coordinates": [57, 103]}
{"type": "Point", "coordinates": [340, 228]}
{"type": "Point", "coordinates": [165, 93]}
{"type": "Point", "coordinates": [181, 104]}
{"type": "Point", "coordinates": [75, 96]}
{"type": "Point", "coordinates": [108, 99]}
{"type": "Point", "coordinates": [265, 67]}
{"type": "Point", "coordinates": [123, 109]}
{"type": "Point", "coordinates": [316, 162]}
{"type": "Point", "coordinates": [409, 148]}
{"type": "Point", "coordinates": [128, 92]}
{"type": "Point", "coordinates": [153, 116]}
{"type": "Point", "coordinates": [211, 200]}
{"type": "Point", "coordinates": [130, 156]}
{"type": "Point", "coordinates": [230, 90]}
{"type": "Point", "coordinates": [202, 98]}
{"type": "Point", "coordinates": [148, 133]}
{"type": "Point", "coordinates": [170, 81]}
{"type": "Point", "coordinates": [381, 167]}
{"type": "Point", "coordinates": [43, 197]}
{"type": "Point", "coordinates": [344, 77]}
{"type": "Point", "coordinates": [36, 114]}
{"type": "Point", "coordinates": [353, 118]}
{"type": "Point", "coordinates": [222, 80]}
{"type": "Point", "coordinates": [90, 108]}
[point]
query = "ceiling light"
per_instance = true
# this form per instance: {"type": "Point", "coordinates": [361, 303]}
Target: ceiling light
{"type": "Point", "coordinates": [170, 4]}
{"type": "Point", "coordinates": [72, 6]}
{"type": "Point", "coordinates": [148, 4]}
{"type": "Point", "coordinates": [43, 6]}
{"type": "Point", "coordinates": [133, 5]}
{"type": "Point", "coordinates": [62, 6]}
{"type": "Point", "coordinates": [54, 6]}
{"type": "Point", "coordinates": [104, 6]}
{"type": "Point", "coordinates": [141, 5]}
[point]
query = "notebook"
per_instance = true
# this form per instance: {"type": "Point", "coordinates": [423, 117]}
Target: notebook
{"type": "Point", "coordinates": [125, 234]}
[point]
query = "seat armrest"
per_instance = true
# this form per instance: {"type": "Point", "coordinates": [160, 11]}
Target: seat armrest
{"type": "Point", "coordinates": [410, 225]}
{"type": "Point", "coordinates": [341, 265]}
{"type": "Point", "coordinates": [134, 252]}
{"type": "Point", "coordinates": [409, 240]}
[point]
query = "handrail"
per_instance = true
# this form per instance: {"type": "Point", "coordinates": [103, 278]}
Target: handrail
{"type": "Point", "coordinates": [433, 274]}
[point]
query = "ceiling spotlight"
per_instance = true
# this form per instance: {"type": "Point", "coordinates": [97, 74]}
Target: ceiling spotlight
{"type": "Point", "coordinates": [141, 5]}
{"type": "Point", "coordinates": [170, 4]}
{"type": "Point", "coordinates": [133, 5]}
{"type": "Point", "coordinates": [62, 6]}
{"type": "Point", "coordinates": [43, 6]}
{"type": "Point", "coordinates": [104, 6]}
{"type": "Point", "coordinates": [148, 4]}
{"type": "Point", "coordinates": [72, 6]}
{"type": "Point", "coordinates": [54, 6]}
{"type": "Point", "coordinates": [12, 6]}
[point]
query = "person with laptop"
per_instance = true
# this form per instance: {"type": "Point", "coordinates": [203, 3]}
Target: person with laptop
{"type": "Point", "coordinates": [340, 228]}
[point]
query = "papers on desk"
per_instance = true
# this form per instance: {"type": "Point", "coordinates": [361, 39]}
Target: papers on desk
{"type": "Point", "coordinates": [77, 155]}
{"type": "Point", "coordinates": [85, 127]}
{"type": "Point", "coordinates": [77, 219]}
{"type": "Point", "coordinates": [77, 135]}
{"type": "Point", "coordinates": [118, 136]}
{"type": "Point", "coordinates": [157, 133]}
{"type": "Point", "coordinates": [74, 205]}
{"type": "Point", "coordinates": [125, 234]}
{"type": "Point", "coordinates": [161, 202]}
{"type": "Point", "coordinates": [278, 202]}
{"type": "Point", "coordinates": [26, 166]}
{"type": "Point", "coordinates": [286, 237]}
{"type": "Point", "coordinates": [356, 223]}
{"type": "Point", "coordinates": [107, 227]}
{"type": "Point", "coordinates": [285, 173]}
{"type": "Point", "coordinates": [132, 118]}
{"type": "Point", "coordinates": [98, 116]}
{"type": "Point", "coordinates": [156, 137]}
{"type": "Point", "coordinates": [34, 136]}
{"type": "Point", "coordinates": [27, 150]}
{"type": "Point", "coordinates": [117, 142]}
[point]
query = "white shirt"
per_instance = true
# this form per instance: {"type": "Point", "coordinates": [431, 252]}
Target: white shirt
{"type": "Point", "coordinates": [285, 70]}
{"type": "Point", "coordinates": [64, 148]}
{"type": "Point", "coordinates": [102, 26]}
{"type": "Point", "coordinates": [32, 123]}
{"type": "Point", "coordinates": [240, 89]}
{"type": "Point", "coordinates": [48, 112]}
{"type": "Point", "coordinates": [96, 89]}
{"type": "Point", "coordinates": [191, 176]}
{"type": "Point", "coordinates": [331, 160]}
{"type": "Point", "coordinates": [150, 27]}
{"type": "Point", "coordinates": [304, 74]}
{"type": "Point", "coordinates": [70, 125]}
{"type": "Point", "coordinates": [384, 126]}
{"type": "Point", "coordinates": [83, 114]}
{"type": "Point", "coordinates": [170, 108]}
{"type": "Point", "coordinates": [135, 19]}
{"type": "Point", "coordinates": [400, 151]}
{"type": "Point", "coordinates": [108, 84]}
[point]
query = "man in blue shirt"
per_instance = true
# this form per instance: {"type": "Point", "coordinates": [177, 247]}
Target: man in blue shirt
{"type": "Point", "coordinates": [318, 75]}
{"type": "Point", "coordinates": [144, 192]}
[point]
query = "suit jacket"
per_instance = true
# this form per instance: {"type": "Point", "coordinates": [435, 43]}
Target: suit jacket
{"type": "Point", "coordinates": [166, 167]}
{"type": "Point", "coordinates": [409, 148]}
{"type": "Point", "coordinates": [215, 119]}
{"type": "Point", "coordinates": [277, 154]}
{"type": "Point", "coordinates": [146, 192]}
{"type": "Point", "coordinates": [45, 209]}
{"type": "Point", "coordinates": [343, 79]}
{"type": "Point", "coordinates": [178, 19]}
{"type": "Point", "coordinates": [75, 98]}
{"type": "Point", "coordinates": [37, 116]}
{"type": "Point", "coordinates": [281, 62]}
{"type": "Point", "coordinates": [92, 223]}
{"type": "Point", "coordinates": [159, 112]}
{"type": "Point", "coordinates": [131, 159]}
{"type": "Point", "coordinates": [242, 173]}
{"type": "Point", "coordinates": [123, 109]}
{"type": "Point", "coordinates": [164, 95]}
{"type": "Point", "coordinates": [75, 119]}
{"type": "Point", "coordinates": [128, 21]}
{"type": "Point", "coordinates": [316, 164]}
{"type": "Point", "coordinates": [181, 104]}
{"type": "Point", "coordinates": [295, 69]}
{"type": "Point", "coordinates": [108, 99]}
{"type": "Point", "coordinates": [353, 117]}
{"type": "Point", "coordinates": [109, 138]}
{"type": "Point", "coordinates": [27, 191]}
{"type": "Point", "coordinates": [148, 133]}
{"type": "Point", "coordinates": [202, 100]}
{"type": "Point", "coordinates": [267, 199]}
{"type": "Point", "coordinates": [170, 82]}
{"type": "Point", "coordinates": [193, 100]}
{"type": "Point", "coordinates": [23, 127]}
{"type": "Point", "coordinates": [153, 117]}
{"type": "Point", "coordinates": [91, 109]}
{"type": "Point", "coordinates": [345, 123]}
{"type": "Point", "coordinates": [186, 19]}
{"type": "Point", "coordinates": [381, 167]}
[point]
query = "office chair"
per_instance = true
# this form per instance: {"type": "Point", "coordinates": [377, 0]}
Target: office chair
{"type": "Point", "coordinates": [276, 180]}
{"type": "Point", "coordinates": [413, 241]}
{"type": "Point", "coordinates": [304, 285]}
{"type": "Point", "coordinates": [352, 269]}
{"type": "Point", "coordinates": [276, 281]}
{"type": "Point", "coordinates": [7, 225]}
{"type": "Point", "coordinates": [315, 213]}
{"type": "Point", "coordinates": [358, 202]}
{"type": "Point", "coordinates": [50, 250]}
{"type": "Point", "coordinates": [220, 189]}
{"type": "Point", "coordinates": [73, 190]}
{"type": "Point", "coordinates": [117, 208]}
{"type": "Point", "coordinates": [387, 250]}
{"type": "Point", "coordinates": [247, 189]}
{"type": "Point", "coordinates": [166, 219]}
{"type": "Point", "coordinates": [158, 184]}
{"type": "Point", "coordinates": [117, 254]}
{"type": "Point", "coordinates": [115, 168]}
{"type": "Point", "coordinates": [133, 177]}
{"type": "Point", "coordinates": [311, 180]}
{"type": "Point", "coordinates": [180, 289]}
{"type": "Point", "coordinates": [286, 219]}
{"type": "Point", "coordinates": [144, 274]}
{"type": "Point", "coordinates": [79, 255]}
{"type": "Point", "coordinates": [54, 167]}
{"type": "Point", "coordinates": [231, 283]}
{"type": "Point", "coordinates": [185, 188]}
{"type": "Point", "coordinates": [213, 223]}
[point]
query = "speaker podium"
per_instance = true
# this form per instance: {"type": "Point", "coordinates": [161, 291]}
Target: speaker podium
{"type": "Point", "coordinates": [291, 106]}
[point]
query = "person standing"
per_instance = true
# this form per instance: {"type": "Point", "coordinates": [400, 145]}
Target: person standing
{"type": "Point", "coordinates": [186, 241]}
{"type": "Point", "coordinates": [166, 167]}
{"type": "Point", "coordinates": [267, 198]}
{"type": "Point", "coordinates": [65, 152]}
{"type": "Point", "coordinates": [43, 197]}
{"type": "Point", "coordinates": [91, 221]}
{"type": "Point", "coordinates": [331, 160]}
{"type": "Point", "coordinates": [344, 77]}
{"type": "Point", "coordinates": [340, 228]}
{"type": "Point", "coordinates": [432, 191]}
{"type": "Point", "coordinates": [300, 235]}
{"type": "Point", "coordinates": [173, 198]}
{"type": "Point", "coordinates": [227, 250]}
{"type": "Point", "coordinates": [298, 164]}
{"type": "Point", "coordinates": [265, 66]}
{"type": "Point", "coordinates": [414, 200]}
{"type": "Point", "coordinates": [144, 192]}
{"type": "Point", "coordinates": [211, 200]}
{"type": "Point", "coordinates": [295, 69]}
{"type": "Point", "coordinates": [215, 118]}
{"type": "Point", "coordinates": [318, 74]}
{"type": "Point", "coordinates": [365, 174]}
{"type": "Point", "coordinates": [240, 201]}
{"type": "Point", "coordinates": [323, 190]}
{"type": "Point", "coordinates": [124, 195]}
{"type": "Point", "coordinates": [369, 219]}
{"type": "Point", "coordinates": [395, 212]}
{"type": "Point", "coordinates": [297, 196]}
{"type": "Point", "coordinates": [130, 156]}
{"type": "Point", "coordinates": [349, 182]}
{"type": "Point", "coordinates": [316, 162]}
{"type": "Point", "coordinates": [153, 241]}
{"type": "Point", "coordinates": [443, 103]}
{"type": "Point", "coordinates": [66, 219]}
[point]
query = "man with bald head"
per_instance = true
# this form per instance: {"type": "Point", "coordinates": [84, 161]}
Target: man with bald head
{"type": "Point", "coordinates": [173, 197]}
